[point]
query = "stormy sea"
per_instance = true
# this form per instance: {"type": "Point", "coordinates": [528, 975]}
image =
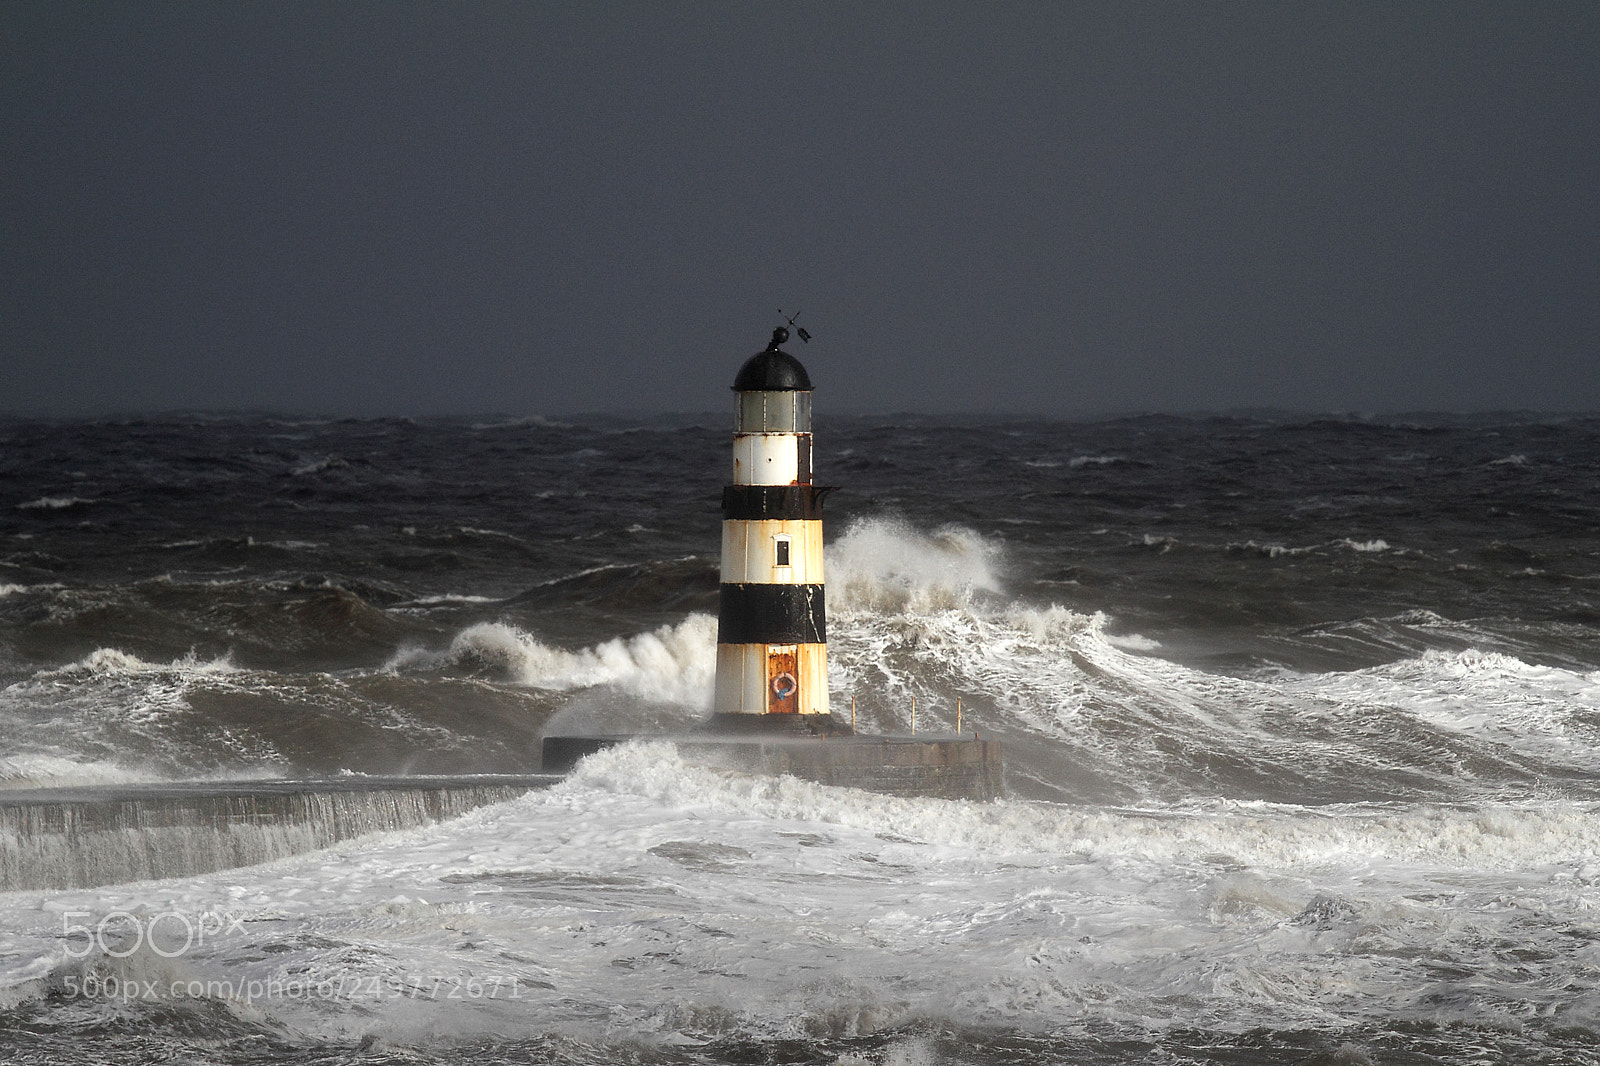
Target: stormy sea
{"type": "Point", "coordinates": [1301, 719]}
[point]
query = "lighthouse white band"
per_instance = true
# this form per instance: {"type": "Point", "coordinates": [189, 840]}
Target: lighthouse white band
{"type": "Point", "coordinates": [752, 552]}
{"type": "Point", "coordinates": [771, 458]}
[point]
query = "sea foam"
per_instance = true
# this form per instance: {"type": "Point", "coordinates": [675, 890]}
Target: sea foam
{"type": "Point", "coordinates": [1281, 837]}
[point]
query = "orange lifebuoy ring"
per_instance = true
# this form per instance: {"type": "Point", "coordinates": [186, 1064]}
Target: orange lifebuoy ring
{"type": "Point", "coordinates": [784, 685]}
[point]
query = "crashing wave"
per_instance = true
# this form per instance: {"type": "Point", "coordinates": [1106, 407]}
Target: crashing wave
{"type": "Point", "coordinates": [672, 664]}
{"type": "Point", "coordinates": [885, 566]}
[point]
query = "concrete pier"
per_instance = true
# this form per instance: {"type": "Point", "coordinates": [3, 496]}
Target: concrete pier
{"type": "Point", "coordinates": [85, 837]}
{"type": "Point", "coordinates": [940, 767]}
{"type": "Point", "coordinates": [952, 768]}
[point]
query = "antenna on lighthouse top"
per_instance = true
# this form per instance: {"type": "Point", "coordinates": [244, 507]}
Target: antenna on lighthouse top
{"type": "Point", "coordinates": [800, 331]}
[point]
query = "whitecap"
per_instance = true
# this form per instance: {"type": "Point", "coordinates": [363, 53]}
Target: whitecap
{"type": "Point", "coordinates": [110, 662]}
{"type": "Point", "coordinates": [17, 590]}
{"type": "Point", "coordinates": [445, 598]}
{"type": "Point", "coordinates": [332, 462]}
{"type": "Point", "coordinates": [53, 503]}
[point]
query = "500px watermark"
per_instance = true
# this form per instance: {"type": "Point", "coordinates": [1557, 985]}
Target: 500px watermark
{"type": "Point", "coordinates": [344, 987]}
{"type": "Point", "coordinates": [121, 933]}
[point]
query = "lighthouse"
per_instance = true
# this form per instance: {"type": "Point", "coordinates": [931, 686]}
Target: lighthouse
{"type": "Point", "coordinates": [772, 636]}
{"type": "Point", "coordinates": [770, 709]}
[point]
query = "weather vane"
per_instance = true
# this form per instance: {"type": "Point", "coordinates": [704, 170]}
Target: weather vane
{"type": "Point", "coordinates": [800, 331]}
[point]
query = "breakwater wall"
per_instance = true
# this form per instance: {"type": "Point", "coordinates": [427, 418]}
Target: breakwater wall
{"type": "Point", "coordinates": [85, 837]}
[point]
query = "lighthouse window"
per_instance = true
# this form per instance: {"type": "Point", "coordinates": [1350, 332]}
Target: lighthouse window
{"type": "Point", "coordinates": [780, 551]}
{"type": "Point", "coordinates": [779, 416]}
{"type": "Point", "coordinates": [750, 412]}
{"type": "Point", "coordinates": [774, 412]}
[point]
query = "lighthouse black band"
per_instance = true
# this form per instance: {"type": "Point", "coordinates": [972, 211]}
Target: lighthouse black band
{"type": "Point", "coordinates": [766, 503]}
{"type": "Point", "coordinates": [771, 614]}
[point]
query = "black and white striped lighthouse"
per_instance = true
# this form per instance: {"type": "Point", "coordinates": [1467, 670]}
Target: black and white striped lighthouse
{"type": "Point", "coordinates": [772, 651]}
{"type": "Point", "coordinates": [772, 637]}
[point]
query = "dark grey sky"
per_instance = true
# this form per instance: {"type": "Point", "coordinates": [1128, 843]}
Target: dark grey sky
{"type": "Point", "coordinates": [1051, 207]}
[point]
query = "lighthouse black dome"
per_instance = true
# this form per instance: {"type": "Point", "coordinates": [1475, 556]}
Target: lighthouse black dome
{"type": "Point", "coordinates": [773, 370]}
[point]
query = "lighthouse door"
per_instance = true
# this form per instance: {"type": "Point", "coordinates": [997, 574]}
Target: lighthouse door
{"type": "Point", "coordinates": [783, 679]}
